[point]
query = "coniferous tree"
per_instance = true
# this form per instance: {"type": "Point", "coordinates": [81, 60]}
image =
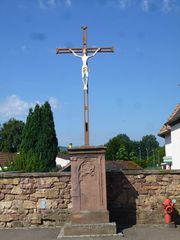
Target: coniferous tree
{"type": "Point", "coordinates": [31, 130]}
{"type": "Point", "coordinates": [47, 144]}
{"type": "Point", "coordinates": [39, 140]}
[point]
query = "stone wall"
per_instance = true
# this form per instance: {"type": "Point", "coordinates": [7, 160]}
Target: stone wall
{"type": "Point", "coordinates": [133, 197]}
{"type": "Point", "coordinates": [137, 196]}
{"type": "Point", "coordinates": [31, 199]}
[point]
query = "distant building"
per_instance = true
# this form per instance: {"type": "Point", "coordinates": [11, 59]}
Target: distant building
{"type": "Point", "coordinates": [5, 157]}
{"type": "Point", "coordinates": [62, 160]}
{"type": "Point", "coordinates": [171, 133]}
{"type": "Point", "coordinates": [120, 165]}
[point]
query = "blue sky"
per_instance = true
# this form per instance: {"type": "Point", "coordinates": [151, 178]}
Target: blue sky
{"type": "Point", "coordinates": [132, 91]}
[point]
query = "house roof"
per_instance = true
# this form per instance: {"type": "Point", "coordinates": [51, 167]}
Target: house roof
{"type": "Point", "coordinates": [120, 165]}
{"type": "Point", "coordinates": [164, 130]}
{"type": "Point", "coordinates": [5, 157]}
{"type": "Point", "coordinates": [172, 120]}
{"type": "Point", "coordinates": [112, 166]}
{"type": "Point", "coordinates": [64, 156]}
{"type": "Point", "coordinates": [175, 116]}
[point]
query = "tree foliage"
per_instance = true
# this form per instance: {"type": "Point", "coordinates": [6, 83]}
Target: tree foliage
{"type": "Point", "coordinates": [145, 152]}
{"type": "Point", "coordinates": [39, 145]}
{"type": "Point", "coordinates": [115, 143]}
{"type": "Point", "coordinates": [11, 135]}
{"type": "Point", "coordinates": [122, 153]}
{"type": "Point", "coordinates": [148, 144]}
{"type": "Point", "coordinates": [26, 162]}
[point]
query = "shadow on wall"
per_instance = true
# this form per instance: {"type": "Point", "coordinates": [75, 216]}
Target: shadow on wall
{"type": "Point", "coordinates": [176, 217]}
{"type": "Point", "coordinates": [121, 199]}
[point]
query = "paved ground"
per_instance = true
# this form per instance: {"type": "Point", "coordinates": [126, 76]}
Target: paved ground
{"type": "Point", "coordinates": [133, 233]}
{"type": "Point", "coordinates": [29, 234]}
{"type": "Point", "coordinates": [151, 233]}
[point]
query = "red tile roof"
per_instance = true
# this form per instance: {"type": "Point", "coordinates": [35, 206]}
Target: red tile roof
{"type": "Point", "coordinates": [164, 130]}
{"type": "Point", "coordinates": [174, 116]}
{"type": "Point", "coordinates": [173, 119]}
{"type": "Point", "coordinates": [5, 157]}
{"type": "Point", "coordinates": [120, 165]}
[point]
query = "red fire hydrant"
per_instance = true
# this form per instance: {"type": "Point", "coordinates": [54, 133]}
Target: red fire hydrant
{"type": "Point", "coordinates": [168, 206]}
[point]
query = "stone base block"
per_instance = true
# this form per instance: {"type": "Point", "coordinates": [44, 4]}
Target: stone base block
{"type": "Point", "coordinates": [88, 229]}
{"type": "Point", "coordinates": [101, 231]}
{"type": "Point", "coordinates": [88, 217]}
{"type": "Point", "coordinates": [92, 237]}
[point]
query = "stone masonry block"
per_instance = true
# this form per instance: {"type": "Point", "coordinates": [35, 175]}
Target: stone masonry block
{"type": "Point", "coordinates": [47, 182]}
{"type": "Point", "coordinates": [151, 178]}
{"type": "Point", "coordinates": [13, 181]}
{"type": "Point", "coordinates": [9, 197]}
{"type": "Point", "coordinates": [29, 204]}
{"type": "Point", "coordinates": [52, 193]}
{"type": "Point", "coordinates": [16, 190]}
{"type": "Point", "coordinates": [6, 218]}
{"type": "Point", "coordinates": [5, 205]}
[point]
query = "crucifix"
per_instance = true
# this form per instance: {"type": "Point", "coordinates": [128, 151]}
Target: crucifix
{"type": "Point", "coordinates": [85, 50]}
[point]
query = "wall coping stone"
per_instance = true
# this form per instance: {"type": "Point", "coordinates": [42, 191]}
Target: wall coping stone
{"type": "Point", "coordinates": [63, 174]}
{"type": "Point", "coordinates": [151, 172]}
{"type": "Point", "coordinates": [33, 175]}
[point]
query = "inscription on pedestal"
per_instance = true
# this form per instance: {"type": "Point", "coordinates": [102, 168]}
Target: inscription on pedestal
{"type": "Point", "coordinates": [86, 168]}
{"type": "Point", "coordinates": [87, 181]}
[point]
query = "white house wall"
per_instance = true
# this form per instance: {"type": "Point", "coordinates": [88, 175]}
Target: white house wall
{"type": "Point", "coordinates": [175, 142]}
{"type": "Point", "coordinates": [61, 162]}
{"type": "Point", "coordinates": [168, 145]}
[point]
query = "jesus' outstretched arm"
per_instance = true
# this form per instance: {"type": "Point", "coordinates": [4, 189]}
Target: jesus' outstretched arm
{"type": "Point", "coordinates": [74, 53]}
{"type": "Point", "coordinates": [97, 50]}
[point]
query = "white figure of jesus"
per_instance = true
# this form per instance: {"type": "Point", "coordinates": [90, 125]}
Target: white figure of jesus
{"type": "Point", "coordinates": [85, 70]}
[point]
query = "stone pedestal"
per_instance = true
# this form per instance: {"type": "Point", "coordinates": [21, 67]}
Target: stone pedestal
{"type": "Point", "coordinates": [88, 181]}
{"type": "Point", "coordinates": [90, 217]}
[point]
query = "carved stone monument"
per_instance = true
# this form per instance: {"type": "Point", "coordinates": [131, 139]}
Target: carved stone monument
{"type": "Point", "coordinates": [90, 217]}
{"type": "Point", "coordinates": [88, 179]}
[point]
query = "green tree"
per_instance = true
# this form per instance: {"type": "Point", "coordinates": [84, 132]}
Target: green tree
{"type": "Point", "coordinates": [122, 153]}
{"type": "Point", "coordinates": [132, 156]}
{"type": "Point", "coordinates": [148, 145]}
{"type": "Point", "coordinates": [31, 130]}
{"type": "Point", "coordinates": [47, 139]}
{"type": "Point", "coordinates": [156, 158]}
{"type": "Point", "coordinates": [39, 140]}
{"type": "Point", "coordinates": [144, 152]}
{"type": "Point", "coordinates": [11, 135]}
{"type": "Point", "coordinates": [115, 143]}
{"type": "Point", "coordinates": [26, 162]}
{"type": "Point", "coordinates": [136, 149]}
{"type": "Point", "coordinates": [160, 154]}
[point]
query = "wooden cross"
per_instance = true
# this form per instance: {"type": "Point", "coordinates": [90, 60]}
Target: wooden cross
{"type": "Point", "coordinates": [86, 96]}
